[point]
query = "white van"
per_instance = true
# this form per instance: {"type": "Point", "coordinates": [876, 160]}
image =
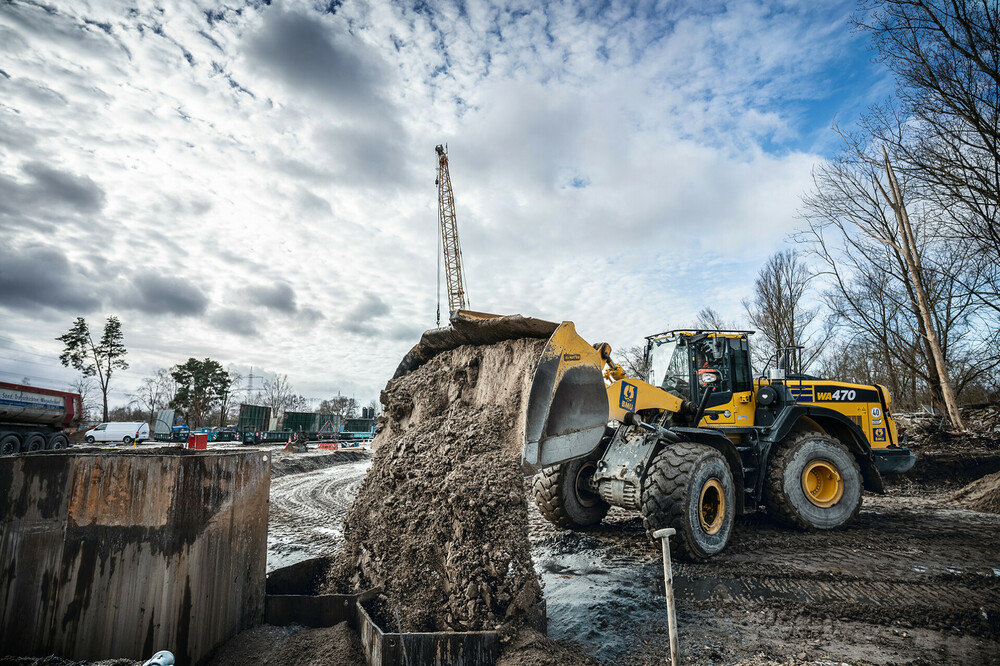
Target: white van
{"type": "Point", "coordinates": [118, 432]}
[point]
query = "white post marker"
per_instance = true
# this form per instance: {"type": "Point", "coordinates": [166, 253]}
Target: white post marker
{"type": "Point", "coordinates": [668, 580]}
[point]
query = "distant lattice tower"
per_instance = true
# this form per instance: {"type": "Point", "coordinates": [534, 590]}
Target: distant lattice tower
{"type": "Point", "coordinates": [449, 238]}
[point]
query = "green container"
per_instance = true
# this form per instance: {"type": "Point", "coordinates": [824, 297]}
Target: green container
{"type": "Point", "coordinates": [304, 421]}
{"type": "Point", "coordinates": [253, 418]}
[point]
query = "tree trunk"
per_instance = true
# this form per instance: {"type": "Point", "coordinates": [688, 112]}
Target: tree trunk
{"type": "Point", "coordinates": [912, 258]}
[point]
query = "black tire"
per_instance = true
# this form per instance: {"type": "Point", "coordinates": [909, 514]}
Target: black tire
{"type": "Point", "coordinates": [690, 488]}
{"type": "Point", "coordinates": [799, 461]}
{"type": "Point", "coordinates": [90, 439]}
{"type": "Point", "coordinates": [10, 444]}
{"type": "Point", "coordinates": [35, 442]}
{"type": "Point", "coordinates": [126, 440]}
{"type": "Point", "coordinates": [58, 441]}
{"type": "Point", "coordinates": [563, 498]}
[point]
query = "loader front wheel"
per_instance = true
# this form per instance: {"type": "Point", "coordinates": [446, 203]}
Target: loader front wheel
{"type": "Point", "coordinates": [813, 483]}
{"type": "Point", "coordinates": [564, 498]}
{"type": "Point", "coordinates": [690, 488]}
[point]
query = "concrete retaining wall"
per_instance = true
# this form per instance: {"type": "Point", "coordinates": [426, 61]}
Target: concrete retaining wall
{"type": "Point", "coordinates": [126, 553]}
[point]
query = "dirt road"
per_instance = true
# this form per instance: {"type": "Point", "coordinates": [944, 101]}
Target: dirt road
{"type": "Point", "coordinates": [915, 580]}
{"type": "Point", "coordinates": [307, 510]}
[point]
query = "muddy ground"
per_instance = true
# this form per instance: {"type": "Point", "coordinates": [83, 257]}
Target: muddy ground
{"type": "Point", "coordinates": [915, 580]}
{"type": "Point", "coordinates": [309, 496]}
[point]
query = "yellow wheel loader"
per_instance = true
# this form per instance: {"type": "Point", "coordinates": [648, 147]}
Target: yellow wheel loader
{"type": "Point", "coordinates": [697, 441]}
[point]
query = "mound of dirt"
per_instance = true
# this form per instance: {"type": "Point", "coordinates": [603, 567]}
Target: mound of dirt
{"type": "Point", "coordinates": [532, 648]}
{"type": "Point", "coordinates": [981, 495]}
{"type": "Point", "coordinates": [440, 522]}
{"type": "Point", "coordinates": [266, 645]}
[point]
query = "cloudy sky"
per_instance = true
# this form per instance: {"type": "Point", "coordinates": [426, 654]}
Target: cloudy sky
{"type": "Point", "coordinates": [255, 182]}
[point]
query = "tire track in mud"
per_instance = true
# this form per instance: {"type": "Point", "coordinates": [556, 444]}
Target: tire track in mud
{"type": "Point", "coordinates": [307, 511]}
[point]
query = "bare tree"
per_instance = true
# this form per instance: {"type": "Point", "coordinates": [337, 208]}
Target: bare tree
{"type": "Point", "coordinates": [341, 405]}
{"type": "Point", "coordinates": [854, 233]}
{"type": "Point", "coordinates": [154, 393]}
{"type": "Point", "coordinates": [893, 194]}
{"type": "Point", "coordinates": [278, 395]}
{"type": "Point", "coordinates": [778, 312]}
{"type": "Point", "coordinates": [709, 319]}
{"type": "Point", "coordinates": [87, 389]}
{"type": "Point", "coordinates": [633, 360]}
{"type": "Point", "coordinates": [227, 392]}
{"type": "Point", "coordinates": [943, 129]}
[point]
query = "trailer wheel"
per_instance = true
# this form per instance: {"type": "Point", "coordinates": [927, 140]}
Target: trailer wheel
{"type": "Point", "coordinates": [35, 442]}
{"type": "Point", "coordinates": [563, 498]}
{"type": "Point", "coordinates": [813, 483]}
{"type": "Point", "coordinates": [690, 488]}
{"type": "Point", "coordinates": [90, 439]}
{"type": "Point", "coordinates": [58, 441]}
{"type": "Point", "coordinates": [10, 444]}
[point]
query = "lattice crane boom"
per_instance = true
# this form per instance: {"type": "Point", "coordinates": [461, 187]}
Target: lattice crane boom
{"type": "Point", "coordinates": [452, 249]}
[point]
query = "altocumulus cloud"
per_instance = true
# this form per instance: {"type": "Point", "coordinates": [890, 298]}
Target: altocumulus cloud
{"type": "Point", "coordinates": [164, 295]}
{"type": "Point", "coordinates": [309, 55]}
{"type": "Point", "coordinates": [45, 188]}
{"type": "Point", "coordinates": [358, 319]}
{"type": "Point", "coordinates": [42, 276]}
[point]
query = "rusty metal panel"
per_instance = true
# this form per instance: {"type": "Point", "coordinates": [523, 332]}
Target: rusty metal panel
{"type": "Point", "coordinates": [126, 553]}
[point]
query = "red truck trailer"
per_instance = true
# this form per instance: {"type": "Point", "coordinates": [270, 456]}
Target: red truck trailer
{"type": "Point", "coordinates": [33, 418]}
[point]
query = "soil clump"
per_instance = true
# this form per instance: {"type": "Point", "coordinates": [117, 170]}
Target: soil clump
{"type": "Point", "coordinates": [440, 522]}
{"type": "Point", "coordinates": [982, 495]}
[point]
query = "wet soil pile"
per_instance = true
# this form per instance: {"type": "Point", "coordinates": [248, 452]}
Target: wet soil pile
{"type": "Point", "coordinates": [277, 646]}
{"type": "Point", "coordinates": [982, 495]}
{"type": "Point", "coordinates": [440, 521]}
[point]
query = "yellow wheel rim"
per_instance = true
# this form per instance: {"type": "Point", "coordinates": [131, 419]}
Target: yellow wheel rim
{"type": "Point", "coordinates": [712, 506]}
{"type": "Point", "coordinates": [822, 483]}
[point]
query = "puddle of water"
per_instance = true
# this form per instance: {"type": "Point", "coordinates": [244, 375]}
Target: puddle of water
{"type": "Point", "coordinates": [593, 601]}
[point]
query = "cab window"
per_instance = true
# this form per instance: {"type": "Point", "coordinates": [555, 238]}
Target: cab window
{"type": "Point", "coordinates": [742, 373]}
{"type": "Point", "coordinates": [711, 355]}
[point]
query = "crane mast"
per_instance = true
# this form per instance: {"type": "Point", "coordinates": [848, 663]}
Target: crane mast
{"type": "Point", "coordinates": [449, 239]}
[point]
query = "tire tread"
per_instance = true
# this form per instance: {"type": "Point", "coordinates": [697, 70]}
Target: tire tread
{"type": "Point", "coordinates": [776, 502]}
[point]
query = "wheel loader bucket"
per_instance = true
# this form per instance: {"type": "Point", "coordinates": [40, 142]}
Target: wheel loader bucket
{"type": "Point", "coordinates": [568, 403]}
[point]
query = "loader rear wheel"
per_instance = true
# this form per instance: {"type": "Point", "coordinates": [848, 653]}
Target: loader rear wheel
{"type": "Point", "coordinates": [690, 488]}
{"type": "Point", "coordinates": [813, 483]}
{"type": "Point", "coordinates": [564, 498]}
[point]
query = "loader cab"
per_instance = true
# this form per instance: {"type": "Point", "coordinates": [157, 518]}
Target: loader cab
{"type": "Point", "coordinates": [685, 363]}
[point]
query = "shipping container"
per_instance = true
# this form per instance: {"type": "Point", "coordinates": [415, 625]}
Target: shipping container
{"type": "Point", "coordinates": [253, 418]}
{"type": "Point", "coordinates": [358, 429]}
